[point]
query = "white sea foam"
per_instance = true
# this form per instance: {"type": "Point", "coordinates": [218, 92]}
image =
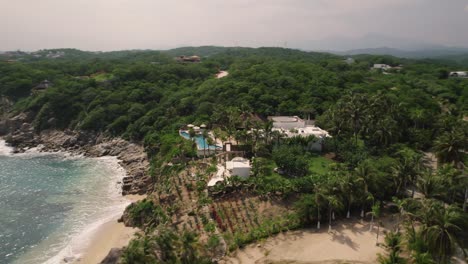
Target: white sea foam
{"type": "Point", "coordinates": [5, 150]}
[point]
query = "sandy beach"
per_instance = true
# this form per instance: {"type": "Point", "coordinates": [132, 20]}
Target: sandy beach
{"type": "Point", "coordinates": [349, 242]}
{"type": "Point", "coordinates": [109, 235]}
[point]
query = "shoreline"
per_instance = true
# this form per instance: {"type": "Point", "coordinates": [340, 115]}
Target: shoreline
{"type": "Point", "coordinates": [131, 158]}
{"type": "Point", "coordinates": [109, 235]}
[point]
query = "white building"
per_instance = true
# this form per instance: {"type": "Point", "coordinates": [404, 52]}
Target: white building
{"type": "Point", "coordinates": [459, 74]}
{"type": "Point", "coordinates": [292, 126]}
{"type": "Point", "coordinates": [287, 122]}
{"type": "Point", "coordinates": [349, 61]}
{"type": "Point", "coordinates": [238, 167]}
{"type": "Point", "coordinates": [383, 67]}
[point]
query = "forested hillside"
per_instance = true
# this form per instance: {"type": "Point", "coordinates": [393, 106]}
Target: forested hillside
{"type": "Point", "coordinates": [132, 93]}
{"type": "Point", "coordinates": [382, 123]}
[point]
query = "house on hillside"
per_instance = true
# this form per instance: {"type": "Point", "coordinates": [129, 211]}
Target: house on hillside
{"type": "Point", "coordinates": [293, 126]}
{"type": "Point", "coordinates": [458, 74]}
{"type": "Point", "coordinates": [236, 167]}
{"type": "Point", "coordinates": [349, 61]}
{"type": "Point", "coordinates": [188, 59]}
{"type": "Point", "coordinates": [382, 67]}
{"type": "Point", "coordinates": [42, 86]}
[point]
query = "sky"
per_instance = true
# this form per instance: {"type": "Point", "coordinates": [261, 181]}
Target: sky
{"type": "Point", "coordinates": [163, 24]}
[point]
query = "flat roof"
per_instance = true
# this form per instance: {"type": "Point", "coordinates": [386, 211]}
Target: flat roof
{"type": "Point", "coordinates": [237, 164]}
{"type": "Point", "coordinates": [285, 119]}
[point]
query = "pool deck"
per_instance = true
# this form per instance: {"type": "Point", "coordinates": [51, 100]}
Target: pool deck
{"type": "Point", "coordinates": [210, 147]}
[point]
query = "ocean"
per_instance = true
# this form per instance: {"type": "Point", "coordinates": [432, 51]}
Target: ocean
{"type": "Point", "coordinates": [52, 203]}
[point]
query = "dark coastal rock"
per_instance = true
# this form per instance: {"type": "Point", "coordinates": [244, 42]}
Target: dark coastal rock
{"type": "Point", "coordinates": [9, 126]}
{"type": "Point", "coordinates": [113, 256]}
{"type": "Point", "coordinates": [26, 127]}
{"type": "Point", "coordinates": [20, 134]}
{"type": "Point", "coordinates": [4, 127]}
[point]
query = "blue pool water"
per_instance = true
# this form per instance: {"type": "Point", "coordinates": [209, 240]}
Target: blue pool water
{"type": "Point", "coordinates": [201, 142]}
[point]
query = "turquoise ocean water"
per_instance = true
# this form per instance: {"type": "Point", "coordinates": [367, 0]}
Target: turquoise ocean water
{"type": "Point", "coordinates": [50, 204]}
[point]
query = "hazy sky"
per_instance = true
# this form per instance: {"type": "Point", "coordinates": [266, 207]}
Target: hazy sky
{"type": "Point", "coordinates": [157, 24]}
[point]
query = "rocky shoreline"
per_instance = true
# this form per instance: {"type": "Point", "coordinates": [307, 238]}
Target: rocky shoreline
{"type": "Point", "coordinates": [20, 134]}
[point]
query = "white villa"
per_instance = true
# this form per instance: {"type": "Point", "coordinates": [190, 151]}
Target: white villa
{"type": "Point", "coordinates": [292, 126]}
{"type": "Point", "coordinates": [459, 74]}
{"type": "Point", "coordinates": [236, 167]}
{"type": "Point", "coordinates": [383, 67]}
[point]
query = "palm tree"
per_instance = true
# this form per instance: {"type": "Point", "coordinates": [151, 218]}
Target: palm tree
{"type": "Point", "coordinates": [375, 213]}
{"type": "Point", "coordinates": [256, 135]}
{"type": "Point", "coordinates": [277, 135]}
{"type": "Point", "coordinates": [355, 107]}
{"type": "Point", "coordinates": [441, 228]}
{"type": "Point", "coordinates": [393, 242]}
{"type": "Point", "coordinates": [419, 117]}
{"type": "Point", "coordinates": [205, 136]}
{"type": "Point", "coordinates": [454, 182]}
{"type": "Point", "coordinates": [407, 170]}
{"type": "Point", "coordinates": [319, 197]}
{"type": "Point", "coordinates": [365, 174]}
{"type": "Point", "coordinates": [333, 204]}
{"type": "Point", "coordinates": [267, 129]}
{"type": "Point", "coordinates": [348, 188]}
{"type": "Point", "coordinates": [385, 131]}
{"type": "Point", "coordinates": [451, 146]}
{"type": "Point", "coordinates": [430, 184]}
{"type": "Point", "coordinates": [400, 204]}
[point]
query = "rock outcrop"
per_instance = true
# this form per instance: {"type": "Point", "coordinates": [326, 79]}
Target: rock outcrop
{"type": "Point", "coordinates": [19, 133]}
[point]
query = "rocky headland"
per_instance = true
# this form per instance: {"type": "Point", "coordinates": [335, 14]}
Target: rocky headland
{"type": "Point", "coordinates": [19, 133]}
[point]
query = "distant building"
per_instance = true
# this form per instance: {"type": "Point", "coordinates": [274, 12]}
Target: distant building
{"type": "Point", "coordinates": [383, 67]}
{"type": "Point", "coordinates": [349, 61]}
{"type": "Point", "coordinates": [458, 74]}
{"type": "Point", "coordinates": [44, 85]}
{"type": "Point", "coordinates": [188, 59]}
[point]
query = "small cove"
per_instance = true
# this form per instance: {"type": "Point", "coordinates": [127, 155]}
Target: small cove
{"type": "Point", "coordinates": [50, 203]}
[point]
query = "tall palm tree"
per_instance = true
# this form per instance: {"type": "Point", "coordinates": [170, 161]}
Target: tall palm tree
{"type": "Point", "coordinates": [205, 136]}
{"type": "Point", "coordinates": [375, 213]}
{"type": "Point", "coordinates": [267, 129]}
{"type": "Point", "coordinates": [319, 198]}
{"type": "Point", "coordinates": [430, 184]}
{"type": "Point", "coordinates": [365, 174]}
{"type": "Point", "coordinates": [333, 203]}
{"type": "Point", "coordinates": [393, 241]}
{"type": "Point", "coordinates": [406, 171]}
{"type": "Point", "coordinates": [454, 182]}
{"type": "Point", "coordinates": [348, 188]}
{"type": "Point", "coordinates": [441, 228]}
{"type": "Point", "coordinates": [451, 147]}
{"type": "Point", "coordinates": [256, 134]}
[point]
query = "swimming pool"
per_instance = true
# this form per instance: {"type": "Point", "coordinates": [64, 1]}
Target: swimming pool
{"type": "Point", "coordinates": [201, 142]}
